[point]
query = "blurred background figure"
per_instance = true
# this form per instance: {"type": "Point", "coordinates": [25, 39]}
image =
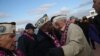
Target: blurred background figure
{"type": "Point", "coordinates": [73, 19]}
{"type": "Point", "coordinates": [85, 27]}
{"type": "Point", "coordinates": [27, 41]}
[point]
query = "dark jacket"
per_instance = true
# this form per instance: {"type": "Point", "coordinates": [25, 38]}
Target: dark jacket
{"type": "Point", "coordinates": [45, 43]}
{"type": "Point", "coordinates": [55, 52]}
{"type": "Point", "coordinates": [57, 33]}
{"type": "Point", "coordinates": [97, 22]}
{"type": "Point", "coordinates": [27, 45]}
{"type": "Point", "coordinates": [85, 28]}
{"type": "Point", "coordinates": [94, 33]}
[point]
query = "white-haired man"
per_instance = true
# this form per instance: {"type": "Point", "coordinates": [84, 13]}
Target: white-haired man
{"type": "Point", "coordinates": [73, 39]}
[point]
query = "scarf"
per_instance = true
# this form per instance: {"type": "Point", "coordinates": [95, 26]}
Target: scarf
{"type": "Point", "coordinates": [29, 36]}
{"type": "Point", "coordinates": [54, 38]}
{"type": "Point", "coordinates": [56, 41]}
{"type": "Point", "coordinates": [64, 35]}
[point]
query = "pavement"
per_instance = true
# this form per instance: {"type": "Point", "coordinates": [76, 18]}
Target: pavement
{"type": "Point", "coordinates": [97, 50]}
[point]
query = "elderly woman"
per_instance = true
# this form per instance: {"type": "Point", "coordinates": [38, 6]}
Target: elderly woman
{"type": "Point", "coordinates": [7, 40]}
{"type": "Point", "coordinates": [73, 39]}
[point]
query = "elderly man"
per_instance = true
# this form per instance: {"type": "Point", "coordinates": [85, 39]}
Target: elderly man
{"type": "Point", "coordinates": [8, 40]}
{"type": "Point", "coordinates": [73, 39]}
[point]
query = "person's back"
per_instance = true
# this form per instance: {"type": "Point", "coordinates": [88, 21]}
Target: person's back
{"type": "Point", "coordinates": [77, 44]}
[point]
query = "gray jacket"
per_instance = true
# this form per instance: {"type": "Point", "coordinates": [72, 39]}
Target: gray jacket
{"type": "Point", "coordinates": [76, 44]}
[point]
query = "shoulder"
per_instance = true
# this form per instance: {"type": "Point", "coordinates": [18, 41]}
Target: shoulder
{"type": "Point", "coordinates": [74, 27]}
{"type": "Point", "coordinates": [23, 39]}
{"type": "Point", "coordinates": [74, 30]}
{"type": "Point", "coordinates": [96, 18]}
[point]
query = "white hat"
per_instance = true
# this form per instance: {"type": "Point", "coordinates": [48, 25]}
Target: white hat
{"type": "Point", "coordinates": [42, 21]}
{"type": "Point", "coordinates": [7, 28]}
{"type": "Point", "coordinates": [59, 18]}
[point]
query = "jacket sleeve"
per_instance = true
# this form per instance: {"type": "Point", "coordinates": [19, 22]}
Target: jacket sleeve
{"type": "Point", "coordinates": [75, 36]}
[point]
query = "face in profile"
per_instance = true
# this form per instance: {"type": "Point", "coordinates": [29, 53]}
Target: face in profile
{"type": "Point", "coordinates": [96, 5]}
{"type": "Point", "coordinates": [8, 41]}
{"type": "Point", "coordinates": [59, 25]}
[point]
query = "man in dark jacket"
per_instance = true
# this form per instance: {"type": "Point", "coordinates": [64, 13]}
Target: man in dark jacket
{"type": "Point", "coordinates": [27, 42]}
{"type": "Point", "coordinates": [45, 39]}
{"type": "Point", "coordinates": [96, 6]}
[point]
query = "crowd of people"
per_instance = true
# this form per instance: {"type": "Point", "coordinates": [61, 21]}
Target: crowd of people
{"type": "Point", "coordinates": [58, 36]}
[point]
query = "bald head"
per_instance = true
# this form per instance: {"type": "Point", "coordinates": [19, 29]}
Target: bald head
{"type": "Point", "coordinates": [96, 5]}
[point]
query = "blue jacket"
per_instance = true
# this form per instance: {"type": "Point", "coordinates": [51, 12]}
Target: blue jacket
{"type": "Point", "coordinates": [94, 33]}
